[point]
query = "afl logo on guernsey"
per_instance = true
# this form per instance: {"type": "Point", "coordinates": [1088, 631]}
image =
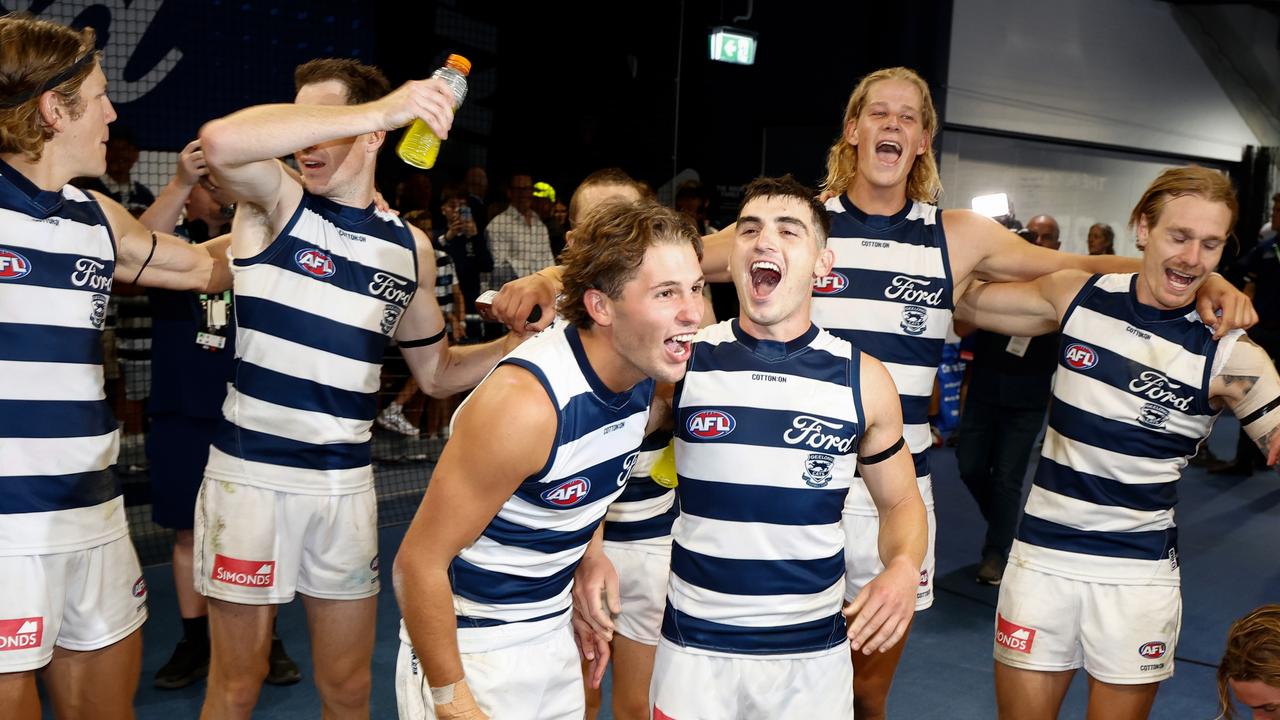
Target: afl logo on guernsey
{"type": "Point", "coordinates": [314, 262]}
{"type": "Point", "coordinates": [831, 283]}
{"type": "Point", "coordinates": [710, 424]}
{"type": "Point", "coordinates": [1081, 357]}
{"type": "Point", "coordinates": [568, 493]}
{"type": "Point", "coordinates": [13, 265]}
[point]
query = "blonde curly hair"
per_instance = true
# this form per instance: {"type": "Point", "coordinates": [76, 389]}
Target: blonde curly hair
{"type": "Point", "coordinates": [923, 183]}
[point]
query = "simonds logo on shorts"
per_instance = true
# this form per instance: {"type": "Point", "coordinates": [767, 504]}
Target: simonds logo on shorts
{"type": "Point", "coordinates": [1014, 636]}
{"type": "Point", "coordinates": [246, 573]}
{"type": "Point", "coordinates": [21, 633]}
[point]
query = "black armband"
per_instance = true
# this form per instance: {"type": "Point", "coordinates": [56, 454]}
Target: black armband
{"type": "Point", "coordinates": [1260, 412]}
{"type": "Point", "coordinates": [423, 342]}
{"type": "Point", "coordinates": [883, 454]}
{"type": "Point", "coordinates": [147, 261]}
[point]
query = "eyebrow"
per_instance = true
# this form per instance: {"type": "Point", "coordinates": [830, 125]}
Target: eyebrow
{"type": "Point", "coordinates": [789, 220]}
{"type": "Point", "coordinates": [672, 283]}
{"type": "Point", "coordinates": [1192, 234]}
{"type": "Point", "coordinates": [885, 104]}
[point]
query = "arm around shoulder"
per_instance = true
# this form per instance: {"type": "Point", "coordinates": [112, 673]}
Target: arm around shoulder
{"type": "Point", "coordinates": [155, 259]}
{"type": "Point", "coordinates": [1022, 309]}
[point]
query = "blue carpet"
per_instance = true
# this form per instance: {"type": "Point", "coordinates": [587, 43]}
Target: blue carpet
{"type": "Point", "coordinates": [1228, 532]}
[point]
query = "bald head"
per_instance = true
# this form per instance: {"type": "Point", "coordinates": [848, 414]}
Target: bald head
{"type": "Point", "coordinates": [1046, 231]}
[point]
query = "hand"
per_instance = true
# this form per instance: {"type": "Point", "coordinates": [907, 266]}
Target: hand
{"type": "Point", "coordinates": [595, 650]}
{"type": "Point", "coordinates": [381, 205]}
{"type": "Point", "coordinates": [881, 613]}
{"type": "Point", "coordinates": [459, 328]}
{"type": "Point", "coordinates": [517, 299]}
{"type": "Point", "coordinates": [429, 100]}
{"type": "Point", "coordinates": [463, 706]}
{"type": "Point", "coordinates": [1237, 309]}
{"type": "Point", "coordinates": [191, 165]}
{"type": "Point", "coordinates": [595, 593]}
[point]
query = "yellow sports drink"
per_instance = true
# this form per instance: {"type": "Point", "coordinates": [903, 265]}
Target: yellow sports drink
{"type": "Point", "coordinates": [663, 471]}
{"type": "Point", "coordinates": [420, 146]}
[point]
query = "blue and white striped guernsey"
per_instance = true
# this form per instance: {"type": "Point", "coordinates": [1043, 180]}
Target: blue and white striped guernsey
{"type": "Point", "coordinates": [58, 436]}
{"type": "Point", "coordinates": [513, 583]}
{"type": "Point", "coordinates": [891, 295]}
{"type": "Point", "coordinates": [767, 437]}
{"type": "Point", "coordinates": [1130, 405]}
{"type": "Point", "coordinates": [642, 516]}
{"type": "Point", "coordinates": [314, 313]}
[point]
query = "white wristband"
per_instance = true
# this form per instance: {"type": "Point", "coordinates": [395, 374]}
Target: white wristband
{"type": "Point", "coordinates": [443, 695]}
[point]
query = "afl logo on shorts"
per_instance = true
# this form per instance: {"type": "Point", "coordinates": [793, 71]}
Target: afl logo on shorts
{"type": "Point", "coordinates": [831, 283]}
{"type": "Point", "coordinates": [314, 262]}
{"type": "Point", "coordinates": [140, 587]}
{"type": "Point", "coordinates": [1153, 650]}
{"type": "Point", "coordinates": [1080, 357]}
{"type": "Point", "coordinates": [710, 424]}
{"type": "Point", "coordinates": [13, 265]}
{"type": "Point", "coordinates": [568, 493]}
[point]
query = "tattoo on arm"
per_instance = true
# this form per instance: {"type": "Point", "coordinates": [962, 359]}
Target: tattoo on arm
{"type": "Point", "coordinates": [1240, 383]}
{"type": "Point", "coordinates": [1264, 442]}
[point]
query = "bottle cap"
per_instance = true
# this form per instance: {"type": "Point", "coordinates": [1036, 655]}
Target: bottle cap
{"type": "Point", "coordinates": [459, 63]}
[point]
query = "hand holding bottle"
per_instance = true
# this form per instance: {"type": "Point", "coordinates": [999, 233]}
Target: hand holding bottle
{"type": "Point", "coordinates": [428, 100]}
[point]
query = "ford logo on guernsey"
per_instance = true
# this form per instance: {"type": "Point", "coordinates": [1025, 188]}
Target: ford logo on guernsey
{"type": "Point", "coordinates": [1081, 357]}
{"type": "Point", "coordinates": [314, 262]}
{"type": "Point", "coordinates": [13, 265]}
{"type": "Point", "coordinates": [1153, 650]}
{"type": "Point", "coordinates": [710, 424]}
{"type": "Point", "coordinates": [831, 283]}
{"type": "Point", "coordinates": [569, 492]}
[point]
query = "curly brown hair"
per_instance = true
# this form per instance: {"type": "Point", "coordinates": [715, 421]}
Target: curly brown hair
{"type": "Point", "coordinates": [364, 83]}
{"type": "Point", "coordinates": [610, 247]}
{"type": "Point", "coordinates": [1253, 653]}
{"type": "Point", "coordinates": [32, 53]}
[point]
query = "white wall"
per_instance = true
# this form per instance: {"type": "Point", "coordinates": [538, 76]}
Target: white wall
{"type": "Point", "coordinates": [1117, 72]}
{"type": "Point", "coordinates": [1078, 187]}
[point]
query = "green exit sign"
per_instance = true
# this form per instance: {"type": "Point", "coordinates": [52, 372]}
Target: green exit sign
{"type": "Point", "coordinates": [732, 45]}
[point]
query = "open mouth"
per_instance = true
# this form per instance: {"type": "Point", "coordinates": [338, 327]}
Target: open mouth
{"type": "Point", "coordinates": [678, 346]}
{"type": "Point", "coordinates": [765, 276]}
{"type": "Point", "coordinates": [312, 164]}
{"type": "Point", "coordinates": [888, 152]}
{"type": "Point", "coordinates": [1179, 281]}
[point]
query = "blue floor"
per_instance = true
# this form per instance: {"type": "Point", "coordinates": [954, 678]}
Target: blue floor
{"type": "Point", "coordinates": [1228, 534]}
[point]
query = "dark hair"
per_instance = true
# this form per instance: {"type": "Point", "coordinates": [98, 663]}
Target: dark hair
{"type": "Point", "coordinates": [32, 54]}
{"type": "Point", "coordinates": [364, 83]}
{"type": "Point", "coordinates": [451, 191]}
{"type": "Point", "coordinates": [788, 187]}
{"type": "Point", "coordinates": [610, 248]}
